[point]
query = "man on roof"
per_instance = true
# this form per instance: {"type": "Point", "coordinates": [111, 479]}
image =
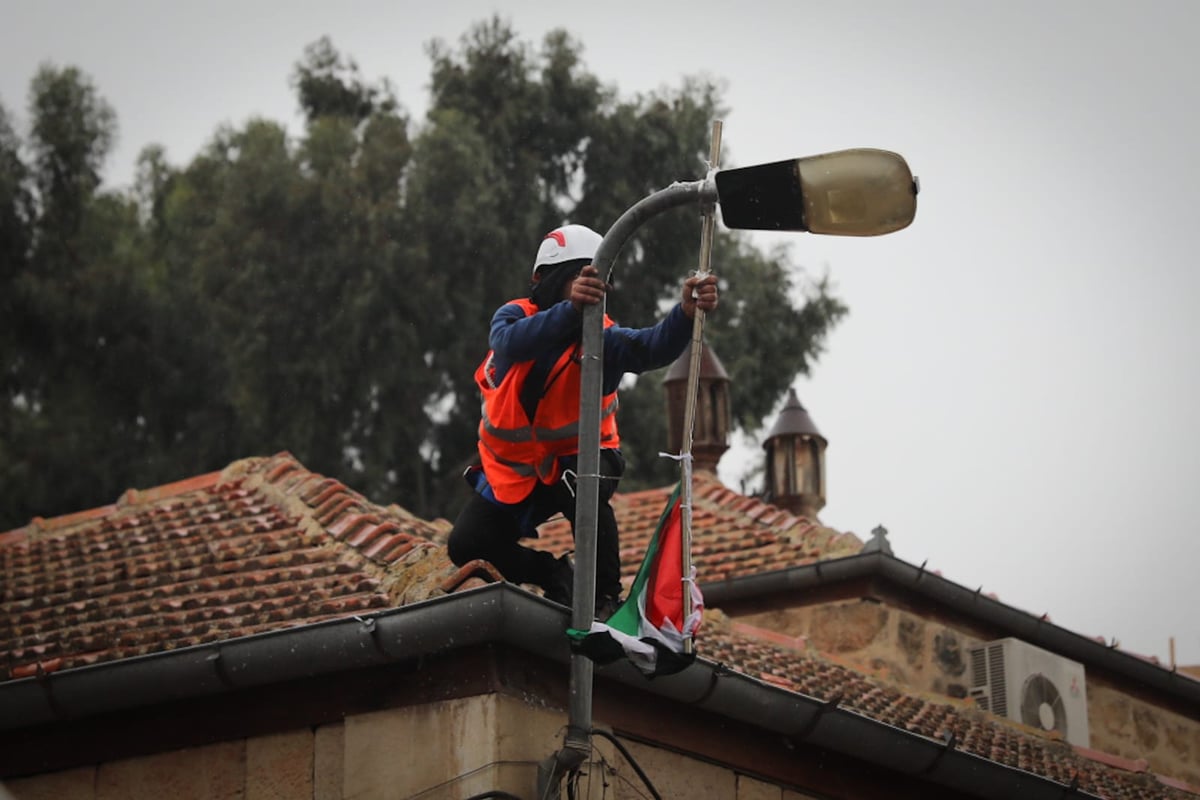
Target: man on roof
{"type": "Point", "coordinates": [529, 433]}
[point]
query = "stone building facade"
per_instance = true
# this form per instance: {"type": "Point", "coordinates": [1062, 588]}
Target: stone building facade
{"type": "Point", "coordinates": [925, 650]}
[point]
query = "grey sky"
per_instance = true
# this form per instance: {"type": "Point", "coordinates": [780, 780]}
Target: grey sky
{"type": "Point", "coordinates": [1013, 394]}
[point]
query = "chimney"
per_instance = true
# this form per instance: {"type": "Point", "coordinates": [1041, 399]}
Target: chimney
{"type": "Point", "coordinates": [710, 434]}
{"type": "Point", "coordinates": [796, 461]}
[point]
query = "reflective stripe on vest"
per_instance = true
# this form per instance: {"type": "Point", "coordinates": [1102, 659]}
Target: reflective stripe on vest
{"type": "Point", "coordinates": [523, 470]}
{"type": "Point", "coordinates": [523, 434]}
{"type": "Point", "coordinates": [528, 434]}
{"type": "Point", "coordinates": [517, 452]}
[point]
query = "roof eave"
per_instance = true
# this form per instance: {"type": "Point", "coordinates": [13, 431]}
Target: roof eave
{"type": "Point", "coordinates": [499, 613]}
{"type": "Point", "coordinates": [970, 602]}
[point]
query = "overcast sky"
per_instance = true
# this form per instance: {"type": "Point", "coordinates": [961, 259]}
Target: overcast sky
{"type": "Point", "coordinates": [1016, 390]}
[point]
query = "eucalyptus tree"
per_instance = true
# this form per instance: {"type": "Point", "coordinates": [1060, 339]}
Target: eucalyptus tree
{"type": "Point", "coordinates": [327, 290]}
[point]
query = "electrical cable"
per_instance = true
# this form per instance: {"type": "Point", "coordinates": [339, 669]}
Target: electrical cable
{"type": "Point", "coordinates": [631, 787]}
{"type": "Point", "coordinates": [628, 757]}
{"type": "Point", "coordinates": [501, 795]}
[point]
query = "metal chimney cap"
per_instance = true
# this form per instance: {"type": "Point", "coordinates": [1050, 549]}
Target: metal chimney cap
{"type": "Point", "coordinates": [711, 368]}
{"type": "Point", "coordinates": [793, 420]}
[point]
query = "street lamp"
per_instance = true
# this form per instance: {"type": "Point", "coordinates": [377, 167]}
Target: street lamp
{"type": "Point", "coordinates": [861, 192]}
{"type": "Point", "coordinates": [848, 193]}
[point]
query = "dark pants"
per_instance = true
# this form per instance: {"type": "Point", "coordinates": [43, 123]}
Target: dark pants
{"type": "Point", "coordinates": [492, 532]}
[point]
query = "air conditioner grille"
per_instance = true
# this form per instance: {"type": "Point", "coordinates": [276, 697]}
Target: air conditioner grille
{"type": "Point", "coordinates": [978, 669]}
{"type": "Point", "coordinates": [995, 657]}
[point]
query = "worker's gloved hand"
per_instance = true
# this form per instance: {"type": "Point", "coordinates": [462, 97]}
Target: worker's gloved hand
{"type": "Point", "coordinates": [612, 467]}
{"type": "Point", "coordinates": [587, 289]}
{"type": "Point", "coordinates": [699, 293]}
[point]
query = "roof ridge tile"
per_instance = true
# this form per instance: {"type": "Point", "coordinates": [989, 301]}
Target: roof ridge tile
{"type": "Point", "coordinates": [350, 523]}
{"type": "Point", "coordinates": [366, 535]}
{"type": "Point", "coordinates": [334, 508]}
{"type": "Point", "coordinates": [323, 491]}
{"type": "Point", "coordinates": [134, 497]}
{"type": "Point", "coordinates": [397, 547]}
{"type": "Point", "coordinates": [477, 568]}
{"type": "Point", "coordinates": [283, 466]}
{"type": "Point", "coordinates": [384, 537]}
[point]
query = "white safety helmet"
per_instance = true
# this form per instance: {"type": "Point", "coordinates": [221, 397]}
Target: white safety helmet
{"type": "Point", "coordinates": [568, 243]}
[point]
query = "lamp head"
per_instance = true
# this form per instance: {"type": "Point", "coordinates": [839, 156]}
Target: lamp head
{"type": "Point", "coordinates": [861, 192]}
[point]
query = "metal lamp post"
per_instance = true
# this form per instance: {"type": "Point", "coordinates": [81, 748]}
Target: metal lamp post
{"type": "Point", "coordinates": [849, 193]}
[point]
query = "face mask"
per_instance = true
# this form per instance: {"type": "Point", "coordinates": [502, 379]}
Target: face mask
{"type": "Point", "coordinates": [554, 279]}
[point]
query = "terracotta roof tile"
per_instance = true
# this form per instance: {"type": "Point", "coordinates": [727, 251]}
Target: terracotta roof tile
{"type": "Point", "coordinates": [733, 535]}
{"type": "Point", "coordinates": [786, 664]}
{"type": "Point", "coordinates": [265, 544]}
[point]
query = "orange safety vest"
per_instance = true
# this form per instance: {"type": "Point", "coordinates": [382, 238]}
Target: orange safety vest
{"type": "Point", "coordinates": [516, 451]}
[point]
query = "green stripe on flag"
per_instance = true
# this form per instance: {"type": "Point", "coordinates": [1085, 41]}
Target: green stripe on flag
{"type": "Point", "coordinates": [649, 628]}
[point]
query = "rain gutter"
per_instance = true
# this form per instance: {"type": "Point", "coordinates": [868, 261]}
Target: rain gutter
{"type": "Point", "coordinates": [499, 613]}
{"type": "Point", "coordinates": [971, 602]}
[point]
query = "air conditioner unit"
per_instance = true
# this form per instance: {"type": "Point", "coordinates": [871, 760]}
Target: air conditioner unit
{"type": "Point", "coordinates": [1014, 679]}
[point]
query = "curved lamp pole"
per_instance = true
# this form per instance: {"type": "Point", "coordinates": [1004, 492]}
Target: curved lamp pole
{"type": "Point", "coordinates": [860, 192]}
{"type": "Point", "coordinates": [587, 487]}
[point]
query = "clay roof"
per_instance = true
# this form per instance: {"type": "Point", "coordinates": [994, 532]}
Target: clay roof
{"type": "Point", "coordinates": [789, 663]}
{"type": "Point", "coordinates": [266, 544]}
{"type": "Point", "coordinates": [733, 535]}
{"type": "Point", "coordinates": [262, 545]}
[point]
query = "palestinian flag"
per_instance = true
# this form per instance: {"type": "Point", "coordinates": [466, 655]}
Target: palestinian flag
{"type": "Point", "coordinates": [648, 628]}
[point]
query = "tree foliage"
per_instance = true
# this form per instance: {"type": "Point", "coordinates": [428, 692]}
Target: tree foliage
{"type": "Point", "coordinates": [329, 293]}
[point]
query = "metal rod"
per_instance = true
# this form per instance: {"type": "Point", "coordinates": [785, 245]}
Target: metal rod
{"type": "Point", "coordinates": [587, 490]}
{"type": "Point", "coordinates": [707, 226]}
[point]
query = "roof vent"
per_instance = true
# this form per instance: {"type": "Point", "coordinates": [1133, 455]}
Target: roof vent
{"type": "Point", "coordinates": [796, 461]}
{"type": "Point", "coordinates": [710, 431]}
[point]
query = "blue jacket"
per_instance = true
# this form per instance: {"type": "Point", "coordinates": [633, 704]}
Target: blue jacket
{"type": "Point", "coordinates": [544, 336]}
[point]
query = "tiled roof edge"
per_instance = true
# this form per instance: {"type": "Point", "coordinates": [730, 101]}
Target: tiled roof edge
{"type": "Point", "coordinates": [791, 526]}
{"type": "Point", "coordinates": [129, 497]}
{"type": "Point", "coordinates": [154, 494]}
{"type": "Point", "coordinates": [402, 634]}
{"type": "Point", "coordinates": [1021, 624]}
{"type": "Point", "coordinates": [327, 501]}
{"type": "Point", "coordinates": [1134, 765]}
{"type": "Point", "coordinates": [1175, 783]}
{"type": "Point", "coordinates": [382, 538]}
{"type": "Point", "coordinates": [780, 641]}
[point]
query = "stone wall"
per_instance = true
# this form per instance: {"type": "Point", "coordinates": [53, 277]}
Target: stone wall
{"type": "Point", "coordinates": [918, 654]}
{"type": "Point", "coordinates": [439, 751]}
{"type": "Point", "coordinates": [1168, 742]}
{"type": "Point", "coordinates": [930, 656]}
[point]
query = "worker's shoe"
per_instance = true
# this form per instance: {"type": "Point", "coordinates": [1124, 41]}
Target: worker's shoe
{"type": "Point", "coordinates": [560, 587]}
{"type": "Point", "coordinates": [606, 606]}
